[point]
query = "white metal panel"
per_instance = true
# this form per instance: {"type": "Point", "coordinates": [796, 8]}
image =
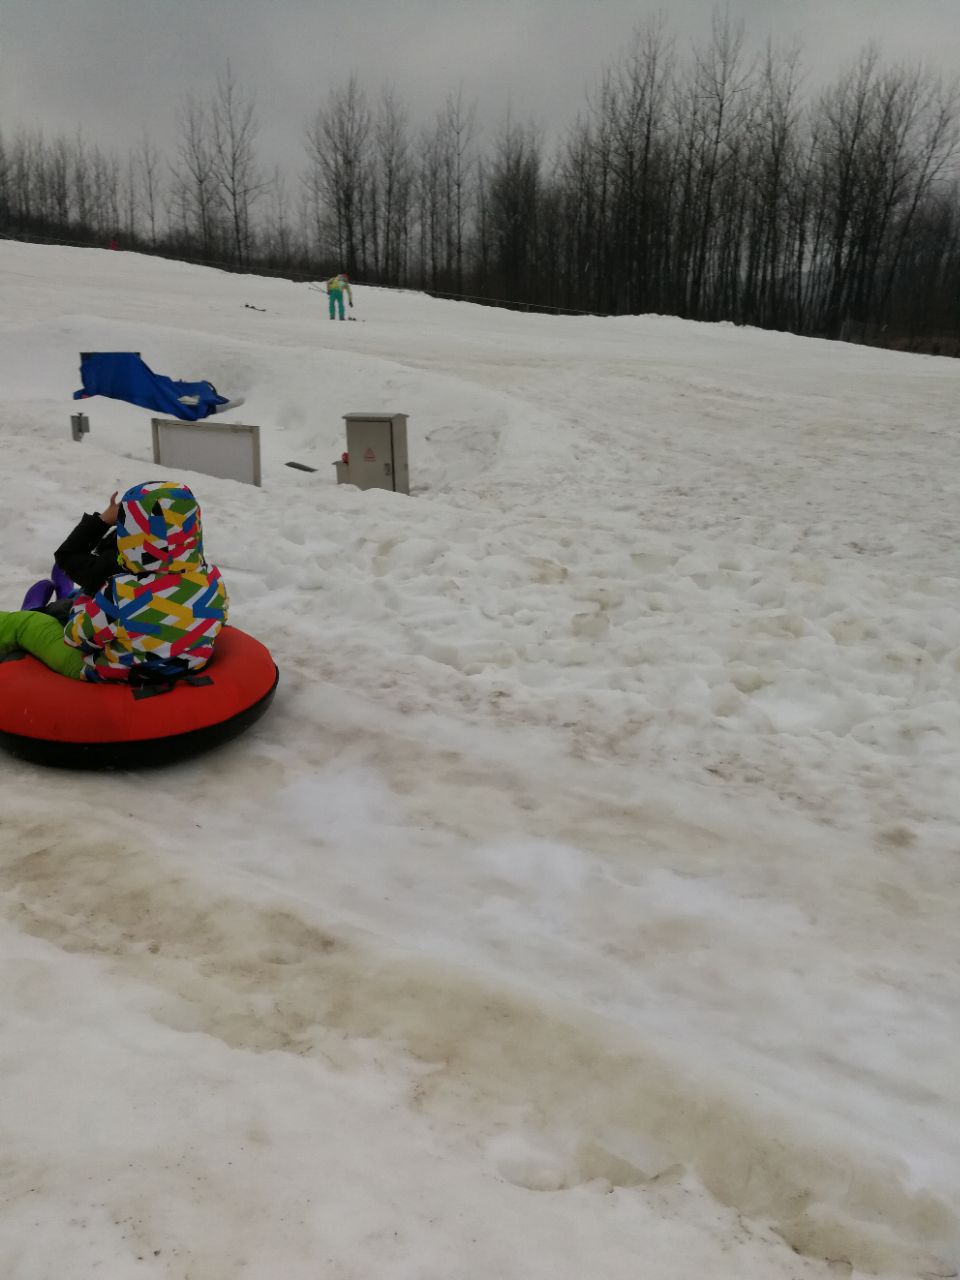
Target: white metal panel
{"type": "Point", "coordinates": [230, 450]}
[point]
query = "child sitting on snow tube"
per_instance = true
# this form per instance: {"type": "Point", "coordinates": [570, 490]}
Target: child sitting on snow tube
{"type": "Point", "coordinates": [150, 607]}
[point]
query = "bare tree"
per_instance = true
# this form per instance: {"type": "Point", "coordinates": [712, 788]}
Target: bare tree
{"type": "Point", "coordinates": [928, 154]}
{"type": "Point", "coordinates": [82, 189]}
{"type": "Point", "coordinates": [337, 176]}
{"type": "Point", "coordinates": [458, 130]}
{"type": "Point", "coordinates": [721, 83]}
{"type": "Point", "coordinates": [198, 193]}
{"type": "Point", "coordinates": [59, 170]}
{"type": "Point", "coordinates": [771, 167]}
{"type": "Point", "coordinates": [430, 206]}
{"type": "Point", "coordinates": [392, 187]}
{"type": "Point", "coordinates": [149, 161]}
{"type": "Point", "coordinates": [844, 116]}
{"type": "Point", "coordinates": [105, 193]}
{"type": "Point", "coordinates": [131, 197]}
{"type": "Point", "coordinates": [278, 233]}
{"type": "Point", "coordinates": [513, 199]}
{"type": "Point", "coordinates": [4, 180]}
{"type": "Point", "coordinates": [632, 112]}
{"type": "Point", "coordinates": [233, 156]}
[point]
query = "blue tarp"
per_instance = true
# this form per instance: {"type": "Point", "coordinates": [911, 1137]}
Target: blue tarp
{"type": "Point", "coordinates": [122, 375]}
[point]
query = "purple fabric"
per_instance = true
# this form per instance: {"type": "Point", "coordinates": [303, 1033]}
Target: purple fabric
{"type": "Point", "coordinates": [38, 597]}
{"type": "Point", "coordinates": [63, 585]}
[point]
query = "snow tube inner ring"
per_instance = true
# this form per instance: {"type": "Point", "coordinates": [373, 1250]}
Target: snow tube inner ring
{"type": "Point", "coordinates": [51, 720]}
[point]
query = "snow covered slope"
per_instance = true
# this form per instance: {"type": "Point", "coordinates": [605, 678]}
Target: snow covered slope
{"type": "Point", "coordinates": [587, 904]}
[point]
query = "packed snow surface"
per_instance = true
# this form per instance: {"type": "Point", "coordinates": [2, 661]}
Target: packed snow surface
{"type": "Point", "coordinates": [586, 905]}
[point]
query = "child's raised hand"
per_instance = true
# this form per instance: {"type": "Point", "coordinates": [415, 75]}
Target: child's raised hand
{"type": "Point", "coordinates": [109, 515]}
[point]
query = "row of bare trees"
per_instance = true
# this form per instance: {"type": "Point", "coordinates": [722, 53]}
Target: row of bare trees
{"type": "Point", "coordinates": [706, 185]}
{"type": "Point", "coordinates": [204, 201]}
{"type": "Point", "coordinates": [713, 191]}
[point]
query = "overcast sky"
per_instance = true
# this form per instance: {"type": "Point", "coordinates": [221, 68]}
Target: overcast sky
{"type": "Point", "coordinates": [118, 67]}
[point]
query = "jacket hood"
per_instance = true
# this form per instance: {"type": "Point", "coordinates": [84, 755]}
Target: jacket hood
{"type": "Point", "coordinates": [159, 529]}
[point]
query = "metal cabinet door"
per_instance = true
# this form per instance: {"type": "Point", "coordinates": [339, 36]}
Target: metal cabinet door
{"type": "Point", "coordinates": [370, 446]}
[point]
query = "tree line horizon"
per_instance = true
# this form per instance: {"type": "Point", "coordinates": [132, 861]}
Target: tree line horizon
{"type": "Point", "coordinates": [705, 185]}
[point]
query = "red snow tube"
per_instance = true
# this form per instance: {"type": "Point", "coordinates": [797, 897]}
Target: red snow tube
{"type": "Point", "coordinates": [49, 719]}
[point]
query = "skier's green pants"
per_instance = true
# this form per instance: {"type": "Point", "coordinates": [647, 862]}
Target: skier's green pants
{"type": "Point", "coordinates": [42, 636]}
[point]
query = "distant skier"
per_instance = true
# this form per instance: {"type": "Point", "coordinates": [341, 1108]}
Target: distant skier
{"type": "Point", "coordinates": [336, 287]}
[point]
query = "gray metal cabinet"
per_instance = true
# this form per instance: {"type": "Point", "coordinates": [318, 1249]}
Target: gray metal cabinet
{"type": "Point", "coordinates": [377, 449]}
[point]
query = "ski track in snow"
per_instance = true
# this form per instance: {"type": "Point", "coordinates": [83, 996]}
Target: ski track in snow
{"type": "Point", "coordinates": [600, 843]}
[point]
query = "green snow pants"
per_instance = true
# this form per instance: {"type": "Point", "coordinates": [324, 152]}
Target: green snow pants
{"type": "Point", "coordinates": [41, 636]}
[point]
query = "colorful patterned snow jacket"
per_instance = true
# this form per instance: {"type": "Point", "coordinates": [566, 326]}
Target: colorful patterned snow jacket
{"type": "Point", "coordinates": [159, 616]}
